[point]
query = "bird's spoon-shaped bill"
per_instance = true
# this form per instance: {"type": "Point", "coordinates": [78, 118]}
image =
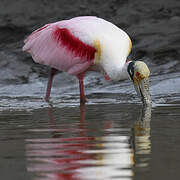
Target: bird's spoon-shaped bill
{"type": "Point", "coordinates": [142, 89]}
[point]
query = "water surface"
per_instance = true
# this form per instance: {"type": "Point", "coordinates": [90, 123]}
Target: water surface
{"type": "Point", "coordinates": [106, 141]}
{"type": "Point", "coordinates": [111, 137]}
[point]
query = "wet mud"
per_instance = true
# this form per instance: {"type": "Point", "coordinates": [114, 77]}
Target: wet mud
{"type": "Point", "coordinates": [152, 25]}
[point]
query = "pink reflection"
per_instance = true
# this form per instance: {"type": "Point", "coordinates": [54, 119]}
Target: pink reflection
{"type": "Point", "coordinates": [59, 158]}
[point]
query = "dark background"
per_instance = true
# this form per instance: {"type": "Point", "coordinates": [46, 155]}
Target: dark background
{"type": "Point", "coordinates": [153, 25]}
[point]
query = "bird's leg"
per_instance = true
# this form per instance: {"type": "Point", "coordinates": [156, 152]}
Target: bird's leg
{"type": "Point", "coordinates": [81, 87]}
{"type": "Point", "coordinates": [51, 76]}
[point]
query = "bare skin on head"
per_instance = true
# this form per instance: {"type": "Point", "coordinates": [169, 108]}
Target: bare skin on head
{"type": "Point", "coordinates": [139, 73]}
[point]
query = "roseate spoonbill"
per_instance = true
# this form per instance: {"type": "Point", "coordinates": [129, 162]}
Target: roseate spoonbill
{"type": "Point", "coordinates": [87, 43]}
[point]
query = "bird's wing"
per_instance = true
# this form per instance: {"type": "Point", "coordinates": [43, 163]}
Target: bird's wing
{"type": "Point", "coordinates": [55, 45]}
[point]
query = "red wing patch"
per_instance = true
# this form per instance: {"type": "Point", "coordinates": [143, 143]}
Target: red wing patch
{"type": "Point", "coordinates": [74, 44]}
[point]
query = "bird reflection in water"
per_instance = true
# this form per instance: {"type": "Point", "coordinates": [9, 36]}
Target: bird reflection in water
{"type": "Point", "coordinates": [142, 142]}
{"type": "Point", "coordinates": [88, 156]}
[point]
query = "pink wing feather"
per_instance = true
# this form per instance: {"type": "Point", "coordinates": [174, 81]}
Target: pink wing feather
{"type": "Point", "coordinates": [54, 45]}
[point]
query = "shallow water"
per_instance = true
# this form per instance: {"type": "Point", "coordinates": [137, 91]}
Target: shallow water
{"type": "Point", "coordinates": [164, 89]}
{"type": "Point", "coordinates": [111, 137]}
{"type": "Point", "coordinates": [105, 141]}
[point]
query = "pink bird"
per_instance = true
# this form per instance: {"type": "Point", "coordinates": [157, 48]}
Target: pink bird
{"type": "Point", "coordinates": [84, 44]}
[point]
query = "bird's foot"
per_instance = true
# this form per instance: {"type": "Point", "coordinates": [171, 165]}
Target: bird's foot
{"type": "Point", "coordinates": [83, 101]}
{"type": "Point", "coordinates": [46, 99]}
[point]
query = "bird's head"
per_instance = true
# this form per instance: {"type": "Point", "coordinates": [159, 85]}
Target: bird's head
{"type": "Point", "coordinates": [139, 74]}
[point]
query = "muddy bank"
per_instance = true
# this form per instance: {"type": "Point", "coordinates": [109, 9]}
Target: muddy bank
{"type": "Point", "coordinates": [153, 27]}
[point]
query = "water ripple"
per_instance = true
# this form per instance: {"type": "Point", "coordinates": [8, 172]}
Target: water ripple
{"type": "Point", "coordinates": [88, 152]}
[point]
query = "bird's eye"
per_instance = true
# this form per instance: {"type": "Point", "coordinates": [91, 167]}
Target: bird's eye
{"type": "Point", "coordinates": [137, 74]}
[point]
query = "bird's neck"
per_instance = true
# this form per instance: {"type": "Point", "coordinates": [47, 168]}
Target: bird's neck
{"type": "Point", "coordinates": [115, 71]}
{"type": "Point", "coordinates": [124, 72]}
{"type": "Point", "coordinates": [119, 73]}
